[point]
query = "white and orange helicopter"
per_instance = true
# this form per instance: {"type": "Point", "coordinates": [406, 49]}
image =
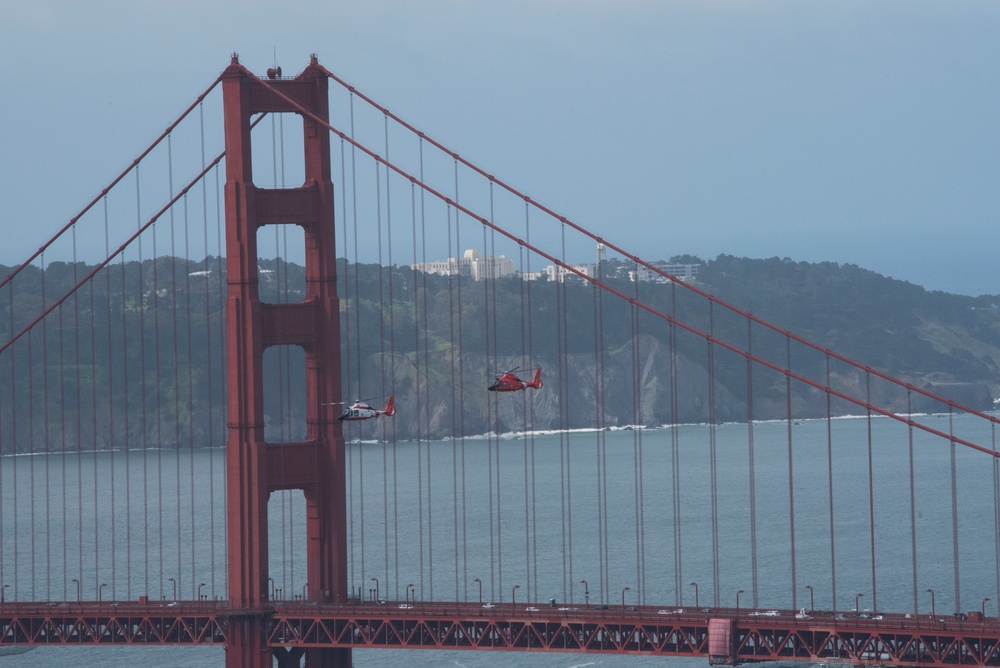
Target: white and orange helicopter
{"type": "Point", "coordinates": [361, 410]}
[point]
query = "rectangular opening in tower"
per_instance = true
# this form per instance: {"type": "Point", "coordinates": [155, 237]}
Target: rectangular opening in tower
{"type": "Point", "coordinates": [278, 152]}
{"type": "Point", "coordinates": [281, 264]}
{"type": "Point", "coordinates": [286, 539]}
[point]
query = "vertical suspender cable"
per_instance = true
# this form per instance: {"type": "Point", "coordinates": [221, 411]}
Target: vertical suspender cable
{"type": "Point", "coordinates": [392, 379]}
{"type": "Point", "coordinates": [871, 490]}
{"type": "Point", "coordinates": [158, 441]}
{"type": "Point", "coordinates": [189, 363]}
{"type": "Point", "coordinates": [93, 397]}
{"type": "Point", "coordinates": [457, 409]}
{"type": "Point", "coordinates": [461, 415]}
{"type": "Point", "coordinates": [528, 404]}
{"type": "Point", "coordinates": [427, 464]}
{"type": "Point", "coordinates": [425, 444]}
{"type": "Point", "coordinates": [791, 476]}
{"type": "Point", "coordinates": [31, 449]}
{"type": "Point", "coordinates": [565, 495]}
{"type": "Point", "coordinates": [675, 482]}
{"type": "Point", "coordinates": [143, 412]}
{"type": "Point", "coordinates": [713, 459]}
{"type": "Point", "coordinates": [996, 511]}
{"type": "Point", "coordinates": [636, 444]}
{"type": "Point", "coordinates": [752, 469]}
{"type": "Point", "coordinates": [954, 509]}
{"type": "Point", "coordinates": [381, 296]}
{"type": "Point", "coordinates": [92, 406]}
{"type": "Point", "coordinates": [416, 292]}
{"type": "Point", "coordinates": [392, 384]}
{"type": "Point", "coordinates": [111, 415]}
{"type": "Point", "coordinates": [493, 440]}
{"type": "Point", "coordinates": [489, 297]}
{"type": "Point", "coordinates": [492, 357]}
{"type": "Point", "coordinates": [829, 472]}
{"type": "Point", "coordinates": [91, 438]}
{"type": "Point", "coordinates": [45, 440]}
{"type": "Point", "coordinates": [713, 454]}
{"type": "Point", "coordinates": [126, 393]}
{"type": "Point", "coordinates": [455, 406]}
{"type": "Point", "coordinates": [14, 438]}
{"type": "Point", "coordinates": [176, 364]}
{"type": "Point", "coordinates": [913, 500]}
{"type": "Point", "coordinates": [602, 537]}
{"type": "Point", "coordinates": [64, 520]}
{"type": "Point", "coordinates": [531, 538]}
{"type": "Point", "coordinates": [602, 436]}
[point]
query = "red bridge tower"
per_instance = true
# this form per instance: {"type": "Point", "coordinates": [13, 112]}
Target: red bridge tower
{"type": "Point", "coordinates": [316, 464]}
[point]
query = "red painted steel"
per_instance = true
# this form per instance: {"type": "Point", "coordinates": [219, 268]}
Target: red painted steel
{"type": "Point", "coordinates": [722, 635]}
{"type": "Point", "coordinates": [255, 468]}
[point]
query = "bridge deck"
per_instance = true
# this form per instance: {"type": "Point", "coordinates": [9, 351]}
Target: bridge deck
{"type": "Point", "coordinates": [892, 639]}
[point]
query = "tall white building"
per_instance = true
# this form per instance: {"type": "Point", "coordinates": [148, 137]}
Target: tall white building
{"type": "Point", "coordinates": [472, 263]}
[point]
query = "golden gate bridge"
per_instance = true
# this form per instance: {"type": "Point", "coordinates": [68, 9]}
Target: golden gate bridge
{"type": "Point", "coordinates": [121, 375]}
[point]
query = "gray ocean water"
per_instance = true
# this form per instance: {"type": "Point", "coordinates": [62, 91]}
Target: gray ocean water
{"type": "Point", "coordinates": [532, 515]}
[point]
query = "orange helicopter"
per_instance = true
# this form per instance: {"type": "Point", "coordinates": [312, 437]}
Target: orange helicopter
{"type": "Point", "coordinates": [509, 382]}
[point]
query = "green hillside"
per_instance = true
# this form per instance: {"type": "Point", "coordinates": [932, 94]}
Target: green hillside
{"type": "Point", "coordinates": [137, 356]}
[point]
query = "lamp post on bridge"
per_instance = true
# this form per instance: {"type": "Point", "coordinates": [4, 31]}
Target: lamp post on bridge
{"type": "Point", "coordinates": [414, 588]}
{"type": "Point", "coordinates": [586, 593]}
{"type": "Point", "coordinates": [100, 590]}
{"type": "Point", "coordinates": [516, 587]}
{"type": "Point", "coordinates": [695, 585]}
{"type": "Point", "coordinates": [3, 593]}
{"type": "Point", "coordinates": [199, 590]}
{"type": "Point", "coordinates": [79, 594]}
{"type": "Point", "coordinates": [480, 583]}
{"type": "Point", "coordinates": [984, 607]}
{"type": "Point", "coordinates": [812, 602]}
{"type": "Point", "coordinates": [174, 583]}
{"type": "Point", "coordinates": [857, 605]}
{"type": "Point", "coordinates": [931, 592]}
{"type": "Point", "coordinates": [624, 589]}
{"type": "Point", "coordinates": [375, 580]}
{"type": "Point", "coordinates": [738, 592]}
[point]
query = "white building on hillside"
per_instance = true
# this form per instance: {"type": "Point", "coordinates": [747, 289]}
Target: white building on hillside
{"type": "Point", "coordinates": [683, 272]}
{"type": "Point", "coordinates": [472, 263]}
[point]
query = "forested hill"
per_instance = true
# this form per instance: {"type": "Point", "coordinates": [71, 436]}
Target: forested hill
{"type": "Point", "coordinates": [441, 340]}
{"type": "Point", "coordinates": [891, 325]}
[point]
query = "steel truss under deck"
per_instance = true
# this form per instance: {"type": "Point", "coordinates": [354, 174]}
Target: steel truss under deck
{"type": "Point", "coordinates": [294, 628]}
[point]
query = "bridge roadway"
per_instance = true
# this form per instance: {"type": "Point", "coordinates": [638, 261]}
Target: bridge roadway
{"type": "Point", "coordinates": [721, 635]}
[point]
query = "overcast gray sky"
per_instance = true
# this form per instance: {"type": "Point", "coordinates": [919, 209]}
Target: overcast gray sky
{"type": "Point", "coordinates": [857, 132]}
